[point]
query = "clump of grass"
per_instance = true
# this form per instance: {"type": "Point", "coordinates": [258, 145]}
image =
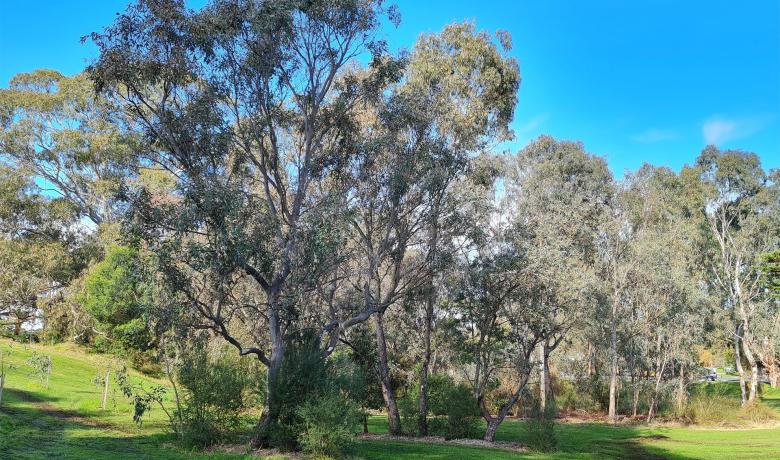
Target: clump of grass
{"type": "Point", "coordinates": [715, 406]}
{"type": "Point", "coordinates": [705, 409]}
{"type": "Point", "coordinates": [757, 412]}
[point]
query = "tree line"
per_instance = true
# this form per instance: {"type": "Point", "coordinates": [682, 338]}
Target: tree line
{"type": "Point", "coordinates": [272, 176]}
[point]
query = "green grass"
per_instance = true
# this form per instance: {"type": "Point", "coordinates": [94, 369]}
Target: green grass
{"type": "Point", "coordinates": [65, 422]}
{"type": "Point", "coordinates": [597, 440]}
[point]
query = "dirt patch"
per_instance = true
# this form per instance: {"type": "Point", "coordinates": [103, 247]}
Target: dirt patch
{"type": "Point", "coordinates": [511, 446]}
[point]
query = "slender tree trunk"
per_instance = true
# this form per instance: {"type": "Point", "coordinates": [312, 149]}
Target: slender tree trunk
{"type": "Point", "coordinates": [2, 376]}
{"type": "Point", "coordinates": [271, 407]}
{"type": "Point", "coordinates": [613, 373]}
{"type": "Point", "coordinates": [659, 376]}
{"type": "Point", "coordinates": [635, 383]}
{"type": "Point", "coordinates": [490, 431]}
{"type": "Point", "coordinates": [430, 301]}
{"type": "Point", "coordinates": [393, 418]}
{"type": "Point", "coordinates": [753, 371]}
{"type": "Point", "coordinates": [547, 377]}
{"type": "Point", "coordinates": [774, 375]}
{"type": "Point", "coordinates": [422, 420]}
{"type": "Point", "coordinates": [591, 366]}
{"type": "Point", "coordinates": [494, 422]}
{"type": "Point", "coordinates": [681, 389]}
{"type": "Point", "coordinates": [543, 369]}
{"type": "Point", "coordinates": [738, 364]}
{"type": "Point", "coordinates": [105, 389]}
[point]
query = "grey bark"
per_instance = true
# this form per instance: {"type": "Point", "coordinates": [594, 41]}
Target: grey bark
{"type": "Point", "coordinates": [388, 394]}
{"type": "Point", "coordinates": [738, 364]}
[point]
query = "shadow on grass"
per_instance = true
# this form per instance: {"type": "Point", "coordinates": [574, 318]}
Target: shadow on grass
{"type": "Point", "coordinates": [31, 428]}
{"type": "Point", "coordinates": [575, 440]}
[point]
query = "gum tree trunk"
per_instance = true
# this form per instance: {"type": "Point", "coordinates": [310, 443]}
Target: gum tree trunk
{"type": "Point", "coordinates": [422, 403]}
{"type": "Point", "coordinates": [753, 394]}
{"type": "Point", "coordinates": [660, 367]}
{"type": "Point", "coordinates": [543, 376]}
{"type": "Point", "coordinates": [393, 418]}
{"type": "Point", "coordinates": [740, 369]}
{"type": "Point", "coordinates": [613, 372]}
{"type": "Point", "coordinates": [433, 245]}
{"type": "Point", "coordinates": [681, 389]}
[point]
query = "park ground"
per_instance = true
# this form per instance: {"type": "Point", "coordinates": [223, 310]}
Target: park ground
{"type": "Point", "coordinates": [65, 421]}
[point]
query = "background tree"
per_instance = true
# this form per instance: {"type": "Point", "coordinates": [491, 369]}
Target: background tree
{"type": "Point", "coordinates": [741, 205]}
{"type": "Point", "coordinates": [117, 294]}
{"type": "Point", "coordinates": [35, 252]}
{"type": "Point", "coordinates": [558, 196]}
{"type": "Point", "coordinates": [55, 127]}
{"type": "Point", "coordinates": [768, 325]}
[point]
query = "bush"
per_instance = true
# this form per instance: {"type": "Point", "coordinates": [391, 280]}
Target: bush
{"type": "Point", "coordinates": [41, 367]}
{"type": "Point", "coordinates": [456, 414]}
{"type": "Point", "coordinates": [569, 398]}
{"type": "Point", "coordinates": [303, 377]}
{"type": "Point", "coordinates": [462, 412]}
{"type": "Point", "coordinates": [116, 294]}
{"type": "Point", "coordinates": [540, 429]}
{"type": "Point", "coordinates": [408, 410]}
{"type": "Point", "coordinates": [330, 423]}
{"type": "Point", "coordinates": [306, 381]}
{"type": "Point", "coordinates": [214, 396]}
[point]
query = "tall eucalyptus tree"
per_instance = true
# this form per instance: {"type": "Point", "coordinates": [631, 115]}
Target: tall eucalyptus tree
{"type": "Point", "coordinates": [741, 204]}
{"type": "Point", "coordinates": [251, 108]}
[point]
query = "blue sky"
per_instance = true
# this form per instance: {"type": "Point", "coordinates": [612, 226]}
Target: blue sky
{"type": "Point", "coordinates": [651, 81]}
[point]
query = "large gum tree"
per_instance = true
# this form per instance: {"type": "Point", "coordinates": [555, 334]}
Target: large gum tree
{"type": "Point", "coordinates": [250, 108]}
{"type": "Point", "coordinates": [295, 169]}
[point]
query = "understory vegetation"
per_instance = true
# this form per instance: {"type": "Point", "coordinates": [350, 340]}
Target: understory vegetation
{"type": "Point", "coordinates": [66, 421]}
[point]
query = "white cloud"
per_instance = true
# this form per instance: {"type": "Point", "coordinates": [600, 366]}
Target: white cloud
{"type": "Point", "coordinates": [655, 135]}
{"type": "Point", "coordinates": [530, 128]}
{"type": "Point", "coordinates": [720, 130]}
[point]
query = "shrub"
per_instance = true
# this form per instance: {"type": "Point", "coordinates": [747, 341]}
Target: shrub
{"type": "Point", "coordinates": [329, 422]}
{"type": "Point", "coordinates": [214, 396]}
{"type": "Point", "coordinates": [569, 398]}
{"type": "Point", "coordinates": [41, 367]}
{"type": "Point", "coordinates": [540, 429]}
{"type": "Point", "coordinates": [302, 377]}
{"type": "Point", "coordinates": [708, 409]}
{"type": "Point", "coordinates": [462, 412]}
{"type": "Point", "coordinates": [116, 294]}
{"type": "Point", "coordinates": [305, 378]}
{"type": "Point", "coordinates": [408, 410]}
{"type": "Point", "coordinates": [758, 412]}
{"type": "Point", "coordinates": [456, 414]}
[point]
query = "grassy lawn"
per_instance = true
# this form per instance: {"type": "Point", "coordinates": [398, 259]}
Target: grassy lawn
{"type": "Point", "coordinates": [65, 422]}
{"type": "Point", "coordinates": [598, 440]}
